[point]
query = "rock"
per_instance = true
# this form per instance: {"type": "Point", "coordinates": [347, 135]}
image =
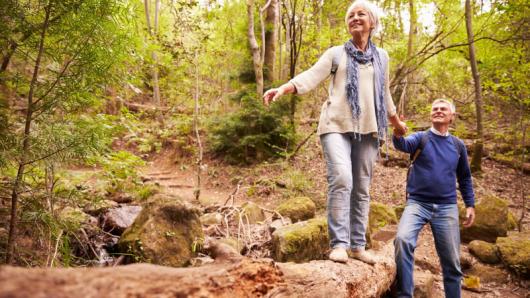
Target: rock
{"type": "Point", "coordinates": [232, 242]}
{"type": "Point", "coordinates": [512, 223]}
{"type": "Point", "coordinates": [490, 223]}
{"type": "Point", "coordinates": [380, 216]}
{"type": "Point", "coordinates": [201, 261]}
{"type": "Point", "coordinates": [515, 252]}
{"type": "Point", "coordinates": [122, 198]}
{"type": "Point", "coordinates": [488, 273]}
{"type": "Point", "coordinates": [253, 213]}
{"type": "Point", "coordinates": [278, 223]}
{"type": "Point", "coordinates": [297, 209]}
{"type": "Point", "coordinates": [209, 219]}
{"type": "Point", "coordinates": [97, 207]}
{"type": "Point", "coordinates": [471, 282]}
{"type": "Point", "coordinates": [399, 210]}
{"type": "Point", "coordinates": [423, 284]}
{"type": "Point", "coordinates": [302, 241]}
{"type": "Point", "coordinates": [167, 232]}
{"type": "Point", "coordinates": [116, 220]}
{"type": "Point", "coordinates": [484, 251]}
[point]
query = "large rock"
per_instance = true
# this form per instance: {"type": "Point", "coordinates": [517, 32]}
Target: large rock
{"type": "Point", "coordinates": [488, 274]}
{"type": "Point", "coordinates": [297, 209]}
{"type": "Point", "coordinates": [116, 220]}
{"type": "Point", "coordinates": [491, 221]}
{"type": "Point", "coordinates": [302, 241]}
{"type": "Point", "coordinates": [484, 251]}
{"type": "Point", "coordinates": [166, 232]}
{"type": "Point", "coordinates": [423, 284]}
{"type": "Point", "coordinates": [515, 252]}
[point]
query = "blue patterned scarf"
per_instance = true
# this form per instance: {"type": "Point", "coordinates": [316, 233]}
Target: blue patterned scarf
{"type": "Point", "coordinates": [352, 83]}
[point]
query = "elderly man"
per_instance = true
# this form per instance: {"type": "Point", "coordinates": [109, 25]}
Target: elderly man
{"type": "Point", "coordinates": [440, 161]}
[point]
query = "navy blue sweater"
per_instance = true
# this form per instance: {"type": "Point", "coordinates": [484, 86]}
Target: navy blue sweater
{"type": "Point", "coordinates": [436, 170]}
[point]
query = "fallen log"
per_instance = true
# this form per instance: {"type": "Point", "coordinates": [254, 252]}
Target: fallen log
{"type": "Point", "coordinates": [231, 275]}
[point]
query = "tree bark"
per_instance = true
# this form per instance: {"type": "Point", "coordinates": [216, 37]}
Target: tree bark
{"type": "Point", "coordinates": [476, 160]}
{"type": "Point", "coordinates": [24, 154]}
{"type": "Point", "coordinates": [254, 48]}
{"type": "Point", "coordinates": [153, 31]}
{"type": "Point", "coordinates": [271, 38]}
{"type": "Point", "coordinates": [231, 276]}
{"type": "Point", "coordinates": [197, 191]}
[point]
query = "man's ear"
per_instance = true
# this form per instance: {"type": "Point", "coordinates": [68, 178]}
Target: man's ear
{"type": "Point", "coordinates": [453, 117]}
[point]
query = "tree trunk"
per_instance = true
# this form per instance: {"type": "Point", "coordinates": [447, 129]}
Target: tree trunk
{"type": "Point", "coordinates": [234, 276]}
{"type": "Point", "coordinates": [476, 161]}
{"type": "Point", "coordinates": [254, 48]}
{"type": "Point", "coordinates": [153, 33]}
{"type": "Point", "coordinates": [197, 191]}
{"type": "Point", "coordinates": [410, 51]}
{"type": "Point", "coordinates": [25, 143]}
{"type": "Point", "coordinates": [271, 38]}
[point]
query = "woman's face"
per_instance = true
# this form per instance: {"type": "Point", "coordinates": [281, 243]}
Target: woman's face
{"type": "Point", "coordinates": [359, 21]}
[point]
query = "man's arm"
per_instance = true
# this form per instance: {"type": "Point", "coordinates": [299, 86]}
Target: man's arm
{"type": "Point", "coordinates": [465, 184]}
{"type": "Point", "coordinates": [407, 144]}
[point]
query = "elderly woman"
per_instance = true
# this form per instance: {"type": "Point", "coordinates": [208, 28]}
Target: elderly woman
{"type": "Point", "coordinates": [353, 122]}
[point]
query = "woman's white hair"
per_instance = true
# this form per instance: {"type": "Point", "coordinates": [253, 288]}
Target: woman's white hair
{"type": "Point", "coordinates": [373, 11]}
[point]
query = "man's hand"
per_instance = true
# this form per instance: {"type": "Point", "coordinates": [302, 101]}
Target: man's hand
{"type": "Point", "coordinates": [470, 217]}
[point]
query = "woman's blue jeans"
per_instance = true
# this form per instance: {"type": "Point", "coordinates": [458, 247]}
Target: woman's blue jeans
{"type": "Point", "coordinates": [443, 219]}
{"type": "Point", "coordinates": [349, 159]}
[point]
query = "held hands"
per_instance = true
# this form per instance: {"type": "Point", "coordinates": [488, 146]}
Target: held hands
{"type": "Point", "coordinates": [470, 217]}
{"type": "Point", "coordinates": [400, 127]}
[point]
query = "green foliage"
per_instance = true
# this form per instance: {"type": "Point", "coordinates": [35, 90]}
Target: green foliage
{"type": "Point", "coordinates": [120, 168]}
{"type": "Point", "coordinates": [253, 133]}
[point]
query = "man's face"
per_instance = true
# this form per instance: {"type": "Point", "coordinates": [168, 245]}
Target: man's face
{"type": "Point", "coordinates": [441, 113]}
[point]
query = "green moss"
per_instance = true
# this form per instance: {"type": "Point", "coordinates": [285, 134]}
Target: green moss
{"type": "Point", "coordinates": [512, 223]}
{"type": "Point", "coordinates": [297, 209]}
{"type": "Point", "coordinates": [380, 216]}
{"type": "Point", "coordinates": [491, 220]}
{"type": "Point", "coordinates": [515, 252]}
{"type": "Point", "coordinates": [302, 241]}
{"type": "Point", "coordinates": [484, 251]}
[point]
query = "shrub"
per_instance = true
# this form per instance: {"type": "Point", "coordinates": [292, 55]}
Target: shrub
{"type": "Point", "coordinates": [254, 132]}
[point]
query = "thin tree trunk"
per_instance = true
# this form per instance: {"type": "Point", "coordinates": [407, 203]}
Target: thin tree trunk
{"type": "Point", "coordinates": [153, 33]}
{"type": "Point", "coordinates": [410, 49]}
{"type": "Point", "coordinates": [270, 42]}
{"type": "Point", "coordinates": [197, 191]}
{"type": "Point", "coordinates": [522, 175]}
{"type": "Point", "coordinates": [25, 144]}
{"type": "Point", "coordinates": [476, 161]}
{"type": "Point", "coordinates": [254, 48]}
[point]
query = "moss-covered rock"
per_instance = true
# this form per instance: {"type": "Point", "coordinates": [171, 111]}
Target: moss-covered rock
{"type": "Point", "coordinates": [490, 222]}
{"type": "Point", "coordinates": [515, 252]}
{"type": "Point", "coordinates": [512, 223]}
{"type": "Point", "coordinates": [380, 215]}
{"type": "Point", "coordinates": [399, 210]}
{"type": "Point", "coordinates": [252, 212]}
{"type": "Point", "coordinates": [297, 209]}
{"type": "Point", "coordinates": [484, 251]}
{"type": "Point", "coordinates": [214, 218]}
{"type": "Point", "coordinates": [73, 218]}
{"type": "Point", "coordinates": [233, 242]}
{"type": "Point", "coordinates": [167, 232]}
{"type": "Point", "coordinates": [301, 242]}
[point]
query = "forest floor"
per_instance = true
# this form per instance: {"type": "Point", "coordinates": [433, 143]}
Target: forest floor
{"type": "Point", "coordinates": [268, 184]}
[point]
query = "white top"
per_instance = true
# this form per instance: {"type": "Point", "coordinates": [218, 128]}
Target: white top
{"type": "Point", "coordinates": [336, 114]}
{"type": "Point", "coordinates": [436, 132]}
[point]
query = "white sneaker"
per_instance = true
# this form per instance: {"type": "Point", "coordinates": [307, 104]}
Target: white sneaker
{"type": "Point", "coordinates": [338, 254]}
{"type": "Point", "coordinates": [364, 256]}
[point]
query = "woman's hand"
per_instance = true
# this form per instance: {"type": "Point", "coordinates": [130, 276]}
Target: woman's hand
{"type": "Point", "coordinates": [400, 127]}
{"type": "Point", "coordinates": [272, 95]}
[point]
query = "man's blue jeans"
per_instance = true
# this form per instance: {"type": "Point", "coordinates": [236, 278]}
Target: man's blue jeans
{"type": "Point", "coordinates": [443, 219]}
{"type": "Point", "coordinates": [349, 159]}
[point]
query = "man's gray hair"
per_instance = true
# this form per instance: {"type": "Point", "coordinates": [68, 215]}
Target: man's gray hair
{"type": "Point", "coordinates": [373, 14]}
{"type": "Point", "coordinates": [446, 100]}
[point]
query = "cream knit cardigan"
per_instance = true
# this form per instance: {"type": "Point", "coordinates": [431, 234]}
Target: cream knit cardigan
{"type": "Point", "coordinates": [336, 114]}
